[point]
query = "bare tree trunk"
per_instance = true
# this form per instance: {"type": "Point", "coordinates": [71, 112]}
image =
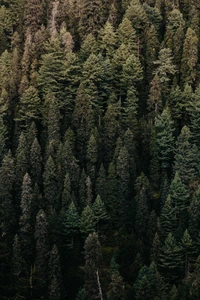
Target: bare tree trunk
{"type": "Point", "coordinates": [99, 286]}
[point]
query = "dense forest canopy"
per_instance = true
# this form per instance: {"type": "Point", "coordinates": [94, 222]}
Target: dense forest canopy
{"type": "Point", "coordinates": [100, 149]}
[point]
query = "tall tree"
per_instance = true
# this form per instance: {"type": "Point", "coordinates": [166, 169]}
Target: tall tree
{"type": "Point", "coordinates": [55, 277]}
{"type": "Point", "coordinates": [92, 267]}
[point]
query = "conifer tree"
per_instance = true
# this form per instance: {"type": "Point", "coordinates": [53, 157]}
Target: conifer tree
{"type": "Point", "coordinates": [7, 212]}
{"type": "Point", "coordinates": [71, 225]}
{"type": "Point", "coordinates": [188, 249]}
{"type": "Point", "coordinates": [108, 40]}
{"type": "Point", "coordinates": [92, 157]}
{"type": "Point", "coordinates": [19, 270]}
{"type": "Point", "coordinates": [50, 185]}
{"type": "Point", "coordinates": [126, 35]}
{"type": "Point", "coordinates": [99, 210]}
{"type": "Point", "coordinates": [168, 220]}
{"type": "Point", "coordinates": [189, 58]}
{"type": "Point", "coordinates": [42, 254]}
{"type": "Point", "coordinates": [87, 221]}
{"type": "Point", "coordinates": [165, 139]}
{"type": "Point", "coordinates": [21, 165]}
{"type": "Point", "coordinates": [91, 18]}
{"type": "Point", "coordinates": [170, 259]}
{"type": "Point", "coordinates": [123, 182]}
{"type": "Point", "coordinates": [29, 106]}
{"type": "Point", "coordinates": [186, 157]}
{"type": "Point", "coordinates": [25, 222]}
{"type": "Point", "coordinates": [179, 198]}
{"type": "Point", "coordinates": [116, 288]}
{"type": "Point", "coordinates": [36, 162]}
{"type": "Point", "coordinates": [100, 186]}
{"type": "Point", "coordinates": [55, 292]}
{"type": "Point", "coordinates": [194, 215]}
{"type": "Point", "coordinates": [92, 267]}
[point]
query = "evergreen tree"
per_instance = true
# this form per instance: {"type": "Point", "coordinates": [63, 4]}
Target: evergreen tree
{"type": "Point", "coordinates": [29, 106]}
{"type": "Point", "coordinates": [87, 221]}
{"type": "Point", "coordinates": [168, 220]}
{"type": "Point", "coordinates": [165, 139]}
{"type": "Point", "coordinates": [50, 185]}
{"type": "Point", "coordinates": [100, 187]}
{"type": "Point", "coordinates": [116, 288]}
{"type": "Point", "coordinates": [179, 198]}
{"type": "Point", "coordinates": [42, 254]}
{"type": "Point", "coordinates": [19, 270]}
{"type": "Point", "coordinates": [123, 174]}
{"type": "Point", "coordinates": [126, 35]}
{"type": "Point", "coordinates": [71, 225]}
{"type": "Point", "coordinates": [92, 267]}
{"type": "Point", "coordinates": [7, 212]}
{"type": "Point", "coordinates": [186, 157]}
{"type": "Point", "coordinates": [91, 18]}
{"type": "Point", "coordinates": [54, 275]}
{"type": "Point", "coordinates": [188, 249]}
{"type": "Point", "coordinates": [189, 58]}
{"type": "Point", "coordinates": [21, 166]}
{"type": "Point", "coordinates": [99, 210]}
{"type": "Point", "coordinates": [36, 162]}
{"type": "Point", "coordinates": [170, 259]}
{"type": "Point", "coordinates": [25, 222]}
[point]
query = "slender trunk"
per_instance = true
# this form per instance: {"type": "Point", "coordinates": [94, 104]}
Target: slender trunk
{"type": "Point", "coordinates": [99, 286]}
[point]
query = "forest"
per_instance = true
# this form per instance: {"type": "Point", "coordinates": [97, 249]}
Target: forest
{"type": "Point", "coordinates": [100, 149]}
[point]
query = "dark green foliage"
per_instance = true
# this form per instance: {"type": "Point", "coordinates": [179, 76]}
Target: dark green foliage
{"type": "Point", "coordinates": [171, 259]}
{"type": "Point", "coordinates": [54, 275]}
{"type": "Point", "coordinates": [92, 266]}
{"type": "Point", "coordinates": [71, 224]}
{"type": "Point", "coordinates": [116, 288]}
{"type": "Point", "coordinates": [99, 106]}
{"type": "Point", "coordinates": [87, 221]}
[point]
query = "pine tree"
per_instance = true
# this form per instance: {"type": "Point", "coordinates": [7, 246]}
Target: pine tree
{"type": "Point", "coordinates": [33, 15]}
{"type": "Point", "coordinates": [92, 267]}
{"type": "Point", "coordinates": [126, 35]}
{"type": "Point", "coordinates": [3, 138]}
{"type": "Point", "coordinates": [111, 127]}
{"type": "Point", "coordinates": [50, 185]}
{"type": "Point", "coordinates": [180, 199]}
{"type": "Point", "coordinates": [87, 221]}
{"type": "Point", "coordinates": [108, 40]}
{"type": "Point", "coordinates": [71, 225]}
{"type": "Point", "coordinates": [25, 222]}
{"type": "Point", "coordinates": [99, 210]}
{"type": "Point", "coordinates": [92, 157]}
{"type": "Point", "coordinates": [116, 288]}
{"type": "Point", "coordinates": [7, 212]}
{"type": "Point", "coordinates": [123, 174]}
{"type": "Point", "coordinates": [168, 220]}
{"type": "Point", "coordinates": [194, 215]}
{"type": "Point", "coordinates": [188, 250]}
{"type": "Point", "coordinates": [66, 194]}
{"type": "Point", "coordinates": [91, 17]}
{"type": "Point", "coordinates": [132, 73]}
{"type": "Point", "coordinates": [36, 162]}
{"type": "Point", "coordinates": [165, 139]}
{"type": "Point", "coordinates": [29, 106]}
{"type": "Point", "coordinates": [186, 157]}
{"type": "Point", "coordinates": [170, 259]}
{"type": "Point", "coordinates": [189, 58]}
{"type": "Point", "coordinates": [100, 186]}
{"type": "Point", "coordinates": [55, 278]}
{"type": "Point", "coordinates": [19, 270]}
{"type": "Point", "coordinates": [112, 200]}
{"type": "Point", "coordinates": [42, 254]}
{"type": "Point", "coordinates": [21, 166]}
